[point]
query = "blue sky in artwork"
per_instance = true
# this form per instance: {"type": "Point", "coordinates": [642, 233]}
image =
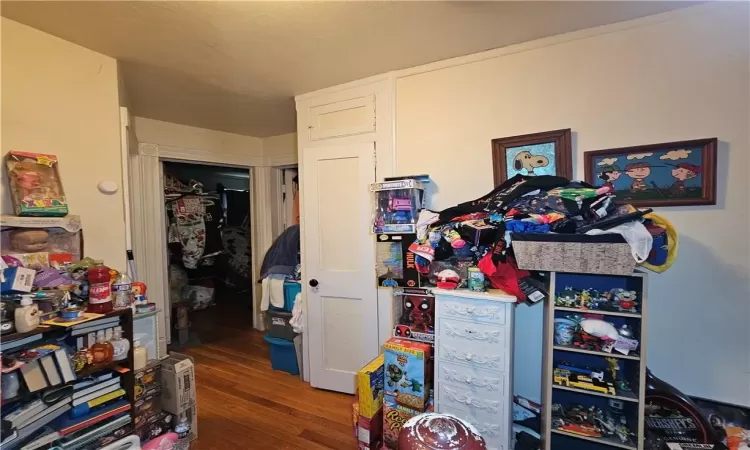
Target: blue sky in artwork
{"type": "Point", "coordinates": [546, 149]}
{"type": "Point", "coordinates": [662, 163]}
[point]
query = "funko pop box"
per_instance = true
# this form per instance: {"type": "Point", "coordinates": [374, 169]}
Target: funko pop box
{"type": "Point", "coordinates": [394, 263]}
{"type": "Point", "coordinates": [407, 372]}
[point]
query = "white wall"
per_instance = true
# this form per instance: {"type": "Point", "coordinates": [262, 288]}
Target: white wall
{"type": "Point", "coordinates": [62, 99]}
{"type": "Point", "coordinates": [680, 76]}
{"type": "Point", "coordinates": [280, 150]}
{"type": "Point", "coordinates": [186, 137]}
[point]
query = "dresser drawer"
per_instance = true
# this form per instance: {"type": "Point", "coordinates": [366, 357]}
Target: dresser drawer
{"type": "Point", "coordinates": [490, 425]}
{"type": "Point", "coordinates": [472, 344]}
{"type": "Point", "coordinates": [482, 383]}
{"type": "Point", "coordinates": [486, 311]}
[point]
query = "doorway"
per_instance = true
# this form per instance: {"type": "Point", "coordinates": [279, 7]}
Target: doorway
{"type": "Point", "coordinates": [209, 252]}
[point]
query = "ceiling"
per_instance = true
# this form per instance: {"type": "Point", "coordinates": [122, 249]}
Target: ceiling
{"type": "Point", "coordinates": [235, 66]}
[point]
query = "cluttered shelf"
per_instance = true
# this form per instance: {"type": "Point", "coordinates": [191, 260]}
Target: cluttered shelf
{"type": "Point", "coordinates": [570, 348]}
{"type": "Point", "coordinates": [597, 311]}
{"type": "Point", "coordinates": [94, 368]}
{"type": "Point", "coordinates": [625, 396]}
{"type": "Point", "coordinates": [605, 440]}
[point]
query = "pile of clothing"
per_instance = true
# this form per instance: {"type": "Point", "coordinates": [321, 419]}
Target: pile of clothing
{"type": "Point", "coordinates": [481, 231]}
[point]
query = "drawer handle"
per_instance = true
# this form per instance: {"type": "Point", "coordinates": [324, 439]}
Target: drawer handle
{"type": "Point", "coordinates": [466, 399]}
{"type": "Point", "coordinates": [473, 334]}
{"type": "Point", "coordinates": [456, 355]}
{"type": "Point", "coordinates": [488, 429]}
{"type": "Point", "coordinates": [453, 309]}
{"type": "Point", "coordinates": [491, 384]}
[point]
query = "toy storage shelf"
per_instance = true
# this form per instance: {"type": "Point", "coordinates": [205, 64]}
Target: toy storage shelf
{"type": "Point", "coordinates": [632, 366]}
{"type": "Point", "coordinates": [608, 441]}
{"type": "Point", "coordinates": [591, 311]}
{"type": "Point", "coordinates": [564, 348]}
{"type": "Point", "coordinates": [630, 397]}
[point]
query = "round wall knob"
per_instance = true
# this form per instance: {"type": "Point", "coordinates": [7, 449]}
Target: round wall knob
{"type": "Point", "coordinates": [313, 282]}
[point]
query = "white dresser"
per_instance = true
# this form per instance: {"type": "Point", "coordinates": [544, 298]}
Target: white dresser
{"type": "Point", "coordinates": [474, 360]}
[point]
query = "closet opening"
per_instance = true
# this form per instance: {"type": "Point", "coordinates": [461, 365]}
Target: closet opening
{"type": "Point", "coordinates": [209, 254]}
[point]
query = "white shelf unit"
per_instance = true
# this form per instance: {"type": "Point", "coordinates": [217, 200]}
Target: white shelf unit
{"type": "Point", "coordinates": [550, 349]}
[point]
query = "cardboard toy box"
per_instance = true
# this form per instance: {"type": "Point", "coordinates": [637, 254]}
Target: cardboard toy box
{"type": "Point", "coordinates": [178, 383]}
{"type": "Point", "coordinates": [370, 387]}
{"type": "Point", "coordinates": [394, 418]}
{"type": "Point", "coordinates": [394, 263]}
{"type": "Point", "coordinates": [35, 186]}
{"type": "Point", "coordinates": [60, 237]}
{"type": "Point", "coordinates": [407, 372]}
{"type": "Point", "coordinates": [416, 314]}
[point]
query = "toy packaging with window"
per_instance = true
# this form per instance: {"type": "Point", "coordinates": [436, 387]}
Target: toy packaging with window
{"type": "Point", "coordinates": [417, 315]}
{"type": "Point", "coordinates": [407, 372]}
{"type": "Point", "coordinates": [35, 186]}
{"type": "Point", "coordinates": [60, 239]}
{"type": "Point", "coordinates": [394, 263]}
{"type": "Point", "coordinates": [397, 204]}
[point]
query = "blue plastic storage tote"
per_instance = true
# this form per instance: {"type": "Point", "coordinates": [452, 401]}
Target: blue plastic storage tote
{"type": "Point", "coordinates": [283, 355]}
{"type": "Point", "coordinates": [291, 289]}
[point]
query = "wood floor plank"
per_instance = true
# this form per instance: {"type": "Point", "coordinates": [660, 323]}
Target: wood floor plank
{"type": "Point", "coordinates": [244, 404]}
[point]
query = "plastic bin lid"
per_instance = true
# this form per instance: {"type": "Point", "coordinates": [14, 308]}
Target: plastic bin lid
{"type": "Point", "coordinates": [278, 341]}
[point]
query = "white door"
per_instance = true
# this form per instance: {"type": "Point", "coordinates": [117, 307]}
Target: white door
{"type": "Point", "coordinates": [338, 257]}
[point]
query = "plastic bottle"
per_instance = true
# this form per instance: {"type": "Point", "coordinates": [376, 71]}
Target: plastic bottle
{"type": "Point", "coordinates": [100, 291]}
{"type": "Point", "coordinates": [122, 291]}
{"type": "Point", "coordinates": [183, 433]}
{"type": "Point", "coordinates": [102, 351]}
{"type": "Point", "coordinates": [27, 316]}
{"type": "Point", "coordinates": [140, 356]}
{"type": "Point", "coordinates": [120, 345]}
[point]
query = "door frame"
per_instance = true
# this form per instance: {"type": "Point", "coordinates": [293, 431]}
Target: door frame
{"type": "Point", "coordinates": [149, 219]}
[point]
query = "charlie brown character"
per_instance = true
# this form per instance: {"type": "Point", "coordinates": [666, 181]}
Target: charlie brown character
{"type": "Point", "coordinates": [638, 171]}
{"type": "Point", "coordinates": [682, 172]}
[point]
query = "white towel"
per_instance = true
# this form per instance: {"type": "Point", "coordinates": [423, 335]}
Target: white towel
{"type": "Point", "coordinates": [272, 292]}
{"type": "Point", "coordinates": [636, 234]}
{"type": "Point", "coordinates": [296, 321]}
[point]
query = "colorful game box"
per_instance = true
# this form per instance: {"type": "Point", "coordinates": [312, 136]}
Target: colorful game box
{"type": "Point", "coordinates": [370, 387]}
{"type": "Point", "coordinates": [407, 372]}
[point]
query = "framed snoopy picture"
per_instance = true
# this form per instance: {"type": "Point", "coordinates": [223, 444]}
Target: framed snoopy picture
{"type": "Point", "coordinates": [546, 153]}
{"type": "Point", "coordinates": [670, 174]}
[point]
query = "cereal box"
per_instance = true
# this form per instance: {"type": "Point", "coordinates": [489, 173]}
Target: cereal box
{"type": "Point", "coordinates": [407, 372]}
{"type": "Point", "coordinates": [370, 387]}
{"type": "Point", "coordinates": [370, 431]}
{"type": "Point", "coordinates": [394, 418]}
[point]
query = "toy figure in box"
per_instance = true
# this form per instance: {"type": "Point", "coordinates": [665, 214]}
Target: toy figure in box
{"type": "Point", "coordinates": [407, 372]}
{"type": "Point", "coordinates": [35, 184]}
{"type": "Point", "coordinates": [397, 205]}
{"type": "Point", "coordinates": [417, 314]}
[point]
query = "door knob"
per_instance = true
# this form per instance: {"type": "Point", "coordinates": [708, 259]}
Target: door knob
{"type": "Point", "coordinates": [313, 282]}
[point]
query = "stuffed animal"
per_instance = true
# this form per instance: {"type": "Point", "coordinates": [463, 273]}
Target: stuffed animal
{"type": "Point", "coordinates": [599, 328]}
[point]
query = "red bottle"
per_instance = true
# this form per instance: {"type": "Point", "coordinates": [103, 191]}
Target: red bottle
{"type": "Point", "coordinates": [100, 291]}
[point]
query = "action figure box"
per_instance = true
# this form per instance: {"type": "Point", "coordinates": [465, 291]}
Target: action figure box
{"type": "Point", "coordinates": [397, 204]}
{"type": "Point", "coordinates": [394, 263]}
{"type": "Point", "coordinates": [416, 316]}
{"type": "Point", "coordinates": [35, 186]}
{"type": "Point", "coordinates": [370, 387]}
{"type": "Point", "coordinates": [407, 372]}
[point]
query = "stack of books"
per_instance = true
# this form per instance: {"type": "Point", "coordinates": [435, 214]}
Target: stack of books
{"type": "Point", "coordinates": [79, 406]}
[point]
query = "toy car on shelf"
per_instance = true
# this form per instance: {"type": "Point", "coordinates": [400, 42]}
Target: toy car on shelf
{"type": "Point", "coordinates": [565, 378]}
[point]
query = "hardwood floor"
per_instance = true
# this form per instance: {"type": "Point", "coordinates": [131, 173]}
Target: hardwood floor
{"type": "Point", "coordinates": [244, 404]}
